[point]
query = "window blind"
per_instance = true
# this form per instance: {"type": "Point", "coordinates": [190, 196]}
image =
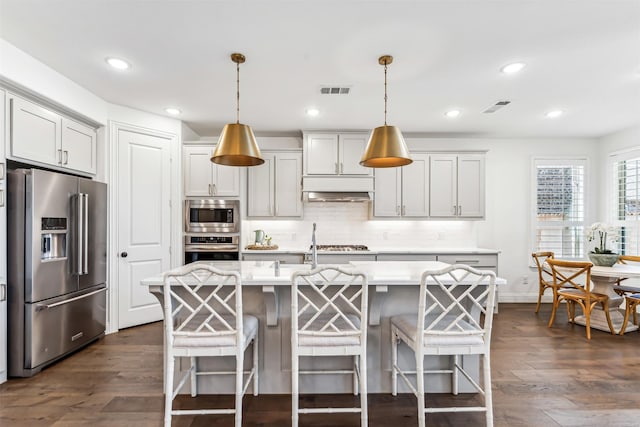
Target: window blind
{"type": "Point", "coordinates": [627, 205]}
{"type": "Point", "coordinates": [559, 210]}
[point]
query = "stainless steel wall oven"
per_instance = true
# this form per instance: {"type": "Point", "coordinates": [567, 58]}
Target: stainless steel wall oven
{"type": "Point", "coordinates": [212, 230]}
{"type": "Point", "coordinates": [210, 248]}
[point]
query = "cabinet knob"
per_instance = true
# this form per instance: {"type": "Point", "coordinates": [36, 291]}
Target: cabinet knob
{"type": "Point", "coordinates": [124, 254]}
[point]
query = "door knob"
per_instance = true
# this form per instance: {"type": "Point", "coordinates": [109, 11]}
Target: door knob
{"type": "Point", "coordinates": [124, 254]}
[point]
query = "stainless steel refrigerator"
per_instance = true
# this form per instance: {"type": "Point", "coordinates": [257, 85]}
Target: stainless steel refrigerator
{"type": "Point", "coordinates": [56, 262]}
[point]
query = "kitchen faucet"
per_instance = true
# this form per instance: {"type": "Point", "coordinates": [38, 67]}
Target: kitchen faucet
{"type": "Point", "coordinates": [314, 248]}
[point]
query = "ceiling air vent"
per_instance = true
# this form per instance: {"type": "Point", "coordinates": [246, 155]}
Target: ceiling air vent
{"type": "Point", "coordinates": [334, 90]}
{"type": "Point", "coordinates": [495, 107]}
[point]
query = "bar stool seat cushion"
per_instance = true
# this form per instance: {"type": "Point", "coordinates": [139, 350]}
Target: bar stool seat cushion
{"type": "Point", "coordinates": [249, 330]}
{"type": "Point", "coordinates": [313, 337]}
{"type": "Point", "coordinates": [408, 324]}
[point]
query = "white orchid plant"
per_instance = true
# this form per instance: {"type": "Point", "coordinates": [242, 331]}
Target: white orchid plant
{"type": "Point", "coordinates": [602, 233]}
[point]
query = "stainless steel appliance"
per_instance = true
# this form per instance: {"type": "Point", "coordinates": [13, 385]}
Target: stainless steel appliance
{"type": "Point", "coordinates": [57, 257]}
{"type": "Point", "coordinates": [211, 248]}
{"type": "Point", "coordinates": [212, 216]}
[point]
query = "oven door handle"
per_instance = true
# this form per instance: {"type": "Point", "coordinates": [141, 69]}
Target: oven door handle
{"type": "Point", "coordinates": [206, 248]}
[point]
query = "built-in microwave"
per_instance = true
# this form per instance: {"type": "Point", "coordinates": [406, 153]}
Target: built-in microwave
{"type": "Point", "coordinates": [212, 216]}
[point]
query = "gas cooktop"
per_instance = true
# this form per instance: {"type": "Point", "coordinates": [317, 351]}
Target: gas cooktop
{"type": "Point", "coordinates": [341, 248]}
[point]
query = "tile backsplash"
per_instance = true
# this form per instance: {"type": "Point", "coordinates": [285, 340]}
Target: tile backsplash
{"type": "Point", "coordinates": [349, 223]}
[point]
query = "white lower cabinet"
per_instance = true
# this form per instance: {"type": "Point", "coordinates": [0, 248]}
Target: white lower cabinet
{"type": "Point", "coordinates": [403, 191]}
{"type": "Point", "coordinates": [284, 258]}
{"type": "Point", "coordinates": [274, 188]}
{"type": "Point", "coordinates": [203, 178]}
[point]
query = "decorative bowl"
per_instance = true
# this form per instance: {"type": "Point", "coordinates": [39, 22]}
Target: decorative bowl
{"type": "Point", "coordinates": [603, 260]}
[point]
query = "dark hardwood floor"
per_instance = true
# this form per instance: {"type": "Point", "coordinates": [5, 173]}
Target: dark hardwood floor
{"type": "Point", "coordinates": [541, 377]}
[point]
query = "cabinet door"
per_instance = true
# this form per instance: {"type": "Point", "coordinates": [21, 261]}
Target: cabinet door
{"type": "Point", "coordinates": [78, 146]}
{"type": "Point", "coordinates": [226, 181]}
{"type": "Point", "coordinates": [415, 187]}
{"type": "Point", "coordinates": [288, 184]}
{"type": "Point", "coordinates": [197, 171]}
{"type": "Point", "coordinates": [442, 186]}
{"type": "Point", "coordinates": [386, 202]}
{"type": "Point", "coordinates": [35, 132]}
{"type": "Point", "coordinates": [471, 186]}
{"type": "Point", "coordinates": [260, 188]}
{"type": "Point", "coordinates": [351, 149]}
{"type": "Point", "coordinates": [321, 154]}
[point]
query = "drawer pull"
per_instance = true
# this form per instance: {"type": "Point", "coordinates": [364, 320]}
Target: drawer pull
{"type": "Point", "coordinates": [467, 261]}
{"type": "Point", "coordinates": [77, 336]}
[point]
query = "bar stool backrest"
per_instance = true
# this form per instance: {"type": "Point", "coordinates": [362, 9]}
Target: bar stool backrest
{"type": "Point", "coordinates": [456, 301]}
{"type": "Point", "coordinates": [329, 302]}
{"type": "Point", "coordinates": [202, 301]}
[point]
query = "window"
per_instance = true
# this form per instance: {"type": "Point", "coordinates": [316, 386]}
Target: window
{"type": "Point", "coordinates": [626, 179]}
{"type": "Point", "coordinates": [559, 188]}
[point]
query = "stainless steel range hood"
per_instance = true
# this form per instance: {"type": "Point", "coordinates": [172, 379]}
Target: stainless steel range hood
{"type": "Point", "coordinates": [346, 196]}
{"type": "Point", "coordinates": [337, 189]}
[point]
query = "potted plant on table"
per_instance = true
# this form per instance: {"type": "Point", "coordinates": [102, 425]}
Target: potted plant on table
{"type": "Point", "coordinates": [602, 234]}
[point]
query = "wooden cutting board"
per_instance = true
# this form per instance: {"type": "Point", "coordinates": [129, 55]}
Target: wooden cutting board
{"type": "Point", "coordinates": [261, 247]}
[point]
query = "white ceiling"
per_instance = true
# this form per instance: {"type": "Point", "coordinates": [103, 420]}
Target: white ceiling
{"type": "Point", "coordinates": [582, 57]}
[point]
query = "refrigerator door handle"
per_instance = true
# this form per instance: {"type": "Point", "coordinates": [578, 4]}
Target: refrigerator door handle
{"type": "Point", "coordinates": [85, 233]}
{"type": "Point", "coordinates": [80, 233]}
{"type": "Point", "coordinates": [40, 307]}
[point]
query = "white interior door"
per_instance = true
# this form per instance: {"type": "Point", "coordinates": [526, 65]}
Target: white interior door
{"type": "Point", "coordinates": [143, 223]}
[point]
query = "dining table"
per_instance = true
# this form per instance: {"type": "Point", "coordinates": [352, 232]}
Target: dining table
{"type": "Point", "coordinates": [604, 279]}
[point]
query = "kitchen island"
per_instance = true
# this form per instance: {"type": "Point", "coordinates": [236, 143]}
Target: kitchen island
{"type": "Point", "coordinates": [393, 290]}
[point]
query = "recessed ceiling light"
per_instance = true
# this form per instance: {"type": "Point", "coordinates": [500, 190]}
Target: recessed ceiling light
{"type": "Point", "coordinates": [118, 64]}
{"type": "Point", "coordinates": [173, 111]}
{"type": "Point", "coordinates": [554, 114]}
{"type": "Point", "coordinates": [312, 112]}
{"type": "Point", "coordinates": [452, 113]}
{"type": "Point", "coordinates": [513, 68]}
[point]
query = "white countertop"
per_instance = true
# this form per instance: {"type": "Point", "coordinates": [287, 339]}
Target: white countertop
{"type": "Point", "coordinates": [375, 251]}
{"type": "Point", "coordinates": [262, 273]}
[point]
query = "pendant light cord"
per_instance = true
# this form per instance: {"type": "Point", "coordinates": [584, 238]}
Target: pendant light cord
{"type": "Point", "coordinates": [385, 93]}
{"type": "Point", "coordinates": [238, 92]}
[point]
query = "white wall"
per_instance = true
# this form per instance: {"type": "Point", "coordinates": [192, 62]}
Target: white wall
{"type": "Point", "coordinates": [507, 226]}
{"type": "Point", "coordinates": [619, 142]}
{"type": "Point", "coordinates": [19, 68]}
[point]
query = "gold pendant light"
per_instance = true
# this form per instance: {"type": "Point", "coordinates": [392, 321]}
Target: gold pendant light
{"type": "Point", "coordinates": [237, 146]}
{"type": "Point", "coordinates": [386, 147]}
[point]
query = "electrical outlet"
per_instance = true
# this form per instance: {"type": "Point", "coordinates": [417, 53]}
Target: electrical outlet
{"type": "Point", "coordinates": [525, 280]}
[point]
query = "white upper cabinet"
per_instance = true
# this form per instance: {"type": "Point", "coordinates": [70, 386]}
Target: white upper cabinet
{"type": "Point", "coordinates": [260, 187]}
{"type": "Point", "coordinates": [415, 187]}
{"type": "Point", "coordinates": [335, 154]}
{"type": "Point", "coordinates": [388, 192]}
{"type": "Point", "coordinates": [274, 188]}
{"type": "Point", "coordinates": [457, 186]}
{"type": "Point", "coordinates": [403, 191]}
{"type": "Point", "coordinates": [203, 178]}
{"type": "Point", "coordinates": [79, 146]}
{"type": "Point", "coordinates": [40, 135]}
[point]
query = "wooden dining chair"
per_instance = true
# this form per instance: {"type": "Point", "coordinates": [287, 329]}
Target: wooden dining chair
{"type": "Point", "coordinates": [573, 279]}
{"type": "Point", "coordinates": [329, 318]}
{"type": "Point", "coordinates": [454, 318]}
{"type": "Point", "coordinates": [631, 294]}
{"type": "Point", "coordinates": [203, 318]}
{"type": "Point", "coordinates": [545, 278]}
